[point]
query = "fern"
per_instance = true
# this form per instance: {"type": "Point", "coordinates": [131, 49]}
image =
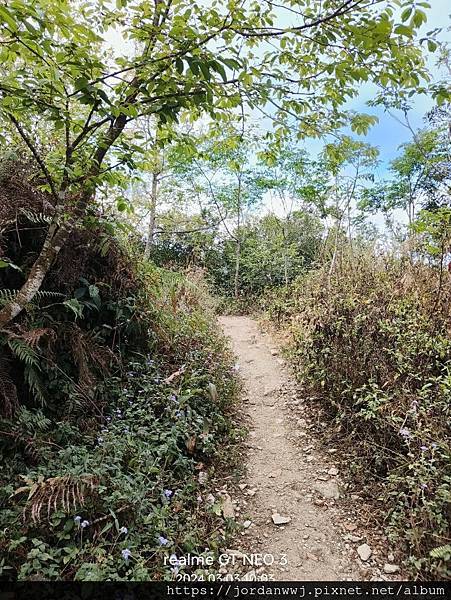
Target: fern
{"type": "Point", "coordinates": [7, 296]}
{"type": "Point", "coordinates": [47, 295]}
{"type": "Point", "coordinates": [36, 218]}
{"type": "Point", "coordinates": [441, 552]}
{"type": "Point", "coordinates": [24, 352]}
{"type": "Point", "coordinates": [29, 422]}
{"type": "Point", "coordinates": [8, 391]}
{"type": "Point", "coordinates": [35, 384]}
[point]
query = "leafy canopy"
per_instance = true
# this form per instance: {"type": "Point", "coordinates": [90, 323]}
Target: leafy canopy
{"type": "Point", "coordinates": [300, 60]}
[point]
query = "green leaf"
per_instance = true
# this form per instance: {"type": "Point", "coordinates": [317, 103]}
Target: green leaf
{"type": "Point", "coordinates": [7, 18]}
{"type": "Point", "coordinates": [75, 307]}
{"type": "Point", "coordinates": [121, 204]}
{"type": "Point", "coordinates": [404, 30]}
{"type": "Point", "coordinates": [179, 65]}
{"type": "Point", "coordinates": [419, 17]}
{"type": "Point", "coordinates": [405, 15]}
{"type": "Point", "coordinates": [81, 83]}
{"type": "Point", "coordinates": [205, 70]}
{"type": "Point", "coordinates": [4, 264]}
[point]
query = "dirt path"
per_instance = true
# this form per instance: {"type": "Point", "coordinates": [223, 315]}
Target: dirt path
{"type": "Point", "coordinates": [288, 476]}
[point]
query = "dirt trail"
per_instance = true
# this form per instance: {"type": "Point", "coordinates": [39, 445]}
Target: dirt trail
{"type": "Point", "coordinates": [290, 477]}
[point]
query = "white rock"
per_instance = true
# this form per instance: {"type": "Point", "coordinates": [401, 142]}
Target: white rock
{"type": "Point", "coordinates": [364, 551]}
{"type": "Point", "coordinates": [353, 538]}
{"type": "Point", "coordinates": [275, 474]}
{"type": "Point", "coordinates": [279, 519]}
{"type": "Point", "coordinates": [247, 524]}
{"type": "Point", "coordinates": [328, 489]}
{"type": "Point", "coordinates": [391, 557]}
{"type": "Point", "coordinates": [390, 569]}
{"type": "Point", "coordinates": [333, 471]}
{"type": "Point", "coordinates": [228, 510]}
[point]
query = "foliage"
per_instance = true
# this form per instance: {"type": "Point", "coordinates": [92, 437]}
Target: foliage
{"type": "Point", "coordinates": [61, 80]}
{"type": "Point", "coordinates": [420, 176]}
{"type": "Point", "coordinates": [372, 344]}
{"type": "Point", "coordinates": [115, 391]}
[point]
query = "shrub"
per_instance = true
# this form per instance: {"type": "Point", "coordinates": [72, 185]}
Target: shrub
{"type": "Point", "coordinates": [114, 394]}
{"type": "Point", "coordinates": [372, 344]}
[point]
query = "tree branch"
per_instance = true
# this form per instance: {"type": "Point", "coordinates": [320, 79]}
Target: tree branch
{"type": "Point", "coordinates": [36, 155]}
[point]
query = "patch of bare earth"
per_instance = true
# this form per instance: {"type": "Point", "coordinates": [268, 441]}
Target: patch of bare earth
{"type": "Point", "coordinates": [293, 506]}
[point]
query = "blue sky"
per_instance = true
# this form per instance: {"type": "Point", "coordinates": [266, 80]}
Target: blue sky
{"type": "Point", "coordinates": [388, 134]}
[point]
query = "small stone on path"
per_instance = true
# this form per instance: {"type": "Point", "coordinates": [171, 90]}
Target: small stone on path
{"type": "Point", "coordinates": [390, 569]}
{"type": "Point", "coordinates": [364, 552]}
{"type": "Point", "coordinates": [328, 489]}
{"type": "Point", "coordinates": [279, 519]}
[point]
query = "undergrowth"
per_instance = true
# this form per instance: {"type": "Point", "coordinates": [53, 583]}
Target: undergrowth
{"type": "Point", "coordinates": [372, 345]}
{"type": "Point", "coordinates": [115, 394]}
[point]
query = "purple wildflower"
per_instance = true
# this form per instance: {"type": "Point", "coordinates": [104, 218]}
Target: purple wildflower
{"type": "Point", "coordinates": [126, 554]}
{"type": "Point", "coordinates": [162, 541]}
{"type": "Point", "coordinates": [168, 493]}
{"type": "Point", "coordinates": [405, 432]}
{"type": "Point", "coordinates": [423, 448]}
{"type": "Point", "coordinates": [84, 524]}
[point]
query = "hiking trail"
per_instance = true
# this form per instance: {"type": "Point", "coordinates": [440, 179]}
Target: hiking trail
{"type": "Point", "coordinates": [288, 477]}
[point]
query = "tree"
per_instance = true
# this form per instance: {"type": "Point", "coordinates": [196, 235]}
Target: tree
{"type": "Point", "coordinates": [420, 177]}
{"type": "Point", "coordinates": [294, 182]}
{"type": "Point", "coordinates": [349, 163]}
{"type": "Point", "coordinates": [225, 182]}
{"type": "Point", "coordinates": [57, 70]}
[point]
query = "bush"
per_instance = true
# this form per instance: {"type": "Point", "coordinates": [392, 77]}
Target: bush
{"type": "Point", "coordinates": [114, 395]}
{"type": "Point", "coordinates": [372, 344]}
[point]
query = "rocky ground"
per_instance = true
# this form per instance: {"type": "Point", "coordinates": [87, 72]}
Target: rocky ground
{"type": "Point", "coordinates": [293, 507]}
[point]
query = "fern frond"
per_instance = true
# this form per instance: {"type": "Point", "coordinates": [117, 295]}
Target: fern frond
{"type": "Point", "coordinates": [47, 295]}
{"type": "Point", "coordinates": [66, 492]}
{"type": "Point", "coordinates": [8, 391]}
{"type": "Point", "coordinates": [23, 351]}
{"type": "Point", "coordinates": [441, 552]}
{"type": "Point", "coordinates": [35, 384]}
{"type": "Point", "coordinates": [7, 296]}
{"type": "Point", "coordinates": [32, 337]}
{"type": "Point", "coordinates": [36, 218]}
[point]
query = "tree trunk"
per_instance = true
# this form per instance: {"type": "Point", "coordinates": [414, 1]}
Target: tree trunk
{"type": "Point", "coordinates": [237, 268]}
{"type": "Point", "coordinates": [335, 254]}
{"type": "Point", "coordinates": [238, 243]}
{"type": "Point", "coordinates": [59, 233]}
{"type": "Point", "coordinates": [285, 254]}
{"type": "Point", "coordinates": [153, 208]}
{"type": "Point", "coordinates": [55, 240]}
